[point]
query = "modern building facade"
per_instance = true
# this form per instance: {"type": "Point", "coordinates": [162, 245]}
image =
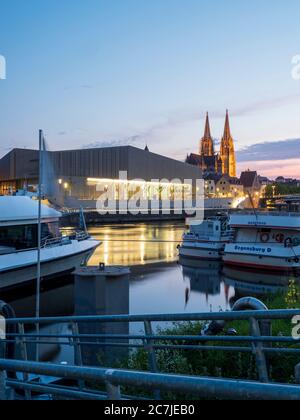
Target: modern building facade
{"type": "Point", "coordinates": [79, 175]}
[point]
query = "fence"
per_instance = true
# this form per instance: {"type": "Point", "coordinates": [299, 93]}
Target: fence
{"type": "Point", "coordinates": [21, 334]}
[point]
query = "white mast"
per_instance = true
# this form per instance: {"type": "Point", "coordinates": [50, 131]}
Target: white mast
{"type": "Point", "coordinates": [38, 280]}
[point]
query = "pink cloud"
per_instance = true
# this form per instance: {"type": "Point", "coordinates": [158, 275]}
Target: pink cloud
{"type": "Point", "coordinates": [289, 168]}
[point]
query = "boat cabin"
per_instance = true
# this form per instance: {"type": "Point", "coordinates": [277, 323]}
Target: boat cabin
{"type": "Point", "coordinates": [19, 224]}
{"type": "Point", "coordinates": [280, 229]}
{"type": "Point", "coordinates": [211, 229]}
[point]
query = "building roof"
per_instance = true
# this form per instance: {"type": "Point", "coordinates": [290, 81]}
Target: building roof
{"type": "Point", "coordinates": [213, 177]}
{"type": "Point", "coordinates": [249, 178]}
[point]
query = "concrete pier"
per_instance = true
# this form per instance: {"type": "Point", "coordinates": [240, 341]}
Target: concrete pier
{"type": "Point", "coordinates": [102, 291]}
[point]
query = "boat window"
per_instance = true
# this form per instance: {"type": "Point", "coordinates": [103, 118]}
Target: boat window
{"type": "Point", "coordinates": [265, 230]}
{"type": "Point", "coordinates": [19, 237]}
{"type": "Point", "coordinates": [26, 236]}
{"type": "Point", "coordinates": [50, 230]}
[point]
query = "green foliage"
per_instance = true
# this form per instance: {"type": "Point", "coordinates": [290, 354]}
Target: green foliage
{"type": "Point", "coordinates": [224, 364]}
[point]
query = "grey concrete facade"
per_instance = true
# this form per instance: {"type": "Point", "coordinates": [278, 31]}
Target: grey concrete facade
{"type": "Point", "coordinates": [21, 166]}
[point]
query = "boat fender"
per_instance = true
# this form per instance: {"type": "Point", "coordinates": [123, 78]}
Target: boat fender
{"type": "Point", "coordinates": [297, 260]}
{"type": "Point", "coordinates": [264, 237]}
{"type": "Point", "coordinates": [288, 242]}
{"type": "Point", "coordinates": [7, 312]}
{"type": "Point", "coordinates": [213, 328]}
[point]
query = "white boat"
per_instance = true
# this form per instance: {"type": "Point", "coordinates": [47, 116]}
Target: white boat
{"type": "Point", "coordinates": [265, 241]}
{"type": "Point", "coordinates": [18, 243]}
{"type": "Point", "coordinates": [206, 240]}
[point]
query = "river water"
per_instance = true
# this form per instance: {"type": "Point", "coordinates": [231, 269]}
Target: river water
{"type": "Point", "coordinates": [158, 282]}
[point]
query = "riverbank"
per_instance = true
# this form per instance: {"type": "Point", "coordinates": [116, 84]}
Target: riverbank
{"type": "Point", "coordinates": [230, 365]}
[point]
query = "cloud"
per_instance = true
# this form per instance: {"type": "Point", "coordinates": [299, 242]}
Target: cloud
{"type": "Point", "coordinates": [134, 140]}
{"type": "Point", "coordinates": [289, 168]}
{"type": "Point", "coordinates": [276, 150]}
{"type": "Point", "coordinates": [153, 134]}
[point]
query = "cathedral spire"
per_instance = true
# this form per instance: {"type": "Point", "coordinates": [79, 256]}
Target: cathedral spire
{"type": "Point", "coordinates": [207, 134]}
{"type": "Point", "coordinates": [227, 132]}
{"type": "Point", "coordinates": [207, 143]}
{"type": "Point", "coordinates": [227, 150]}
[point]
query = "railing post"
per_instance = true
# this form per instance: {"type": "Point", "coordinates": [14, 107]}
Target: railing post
{"type": "Point", "coordinates": [76, 344]}
{"type": "Point", "coordinates": [113, 392]}
{"type": "Point", "coordinates": [151, 354]}
{"type": "Point", "coordinates": [3, 390]}
{"type": "Point", "coordinates": [261, 362]}
{"type": "Point", "coordinates": [77, 350]}
{"type": "Point", "coordinates": [24, 356]}
{"type": "Point", "coordinates": [297, 374]}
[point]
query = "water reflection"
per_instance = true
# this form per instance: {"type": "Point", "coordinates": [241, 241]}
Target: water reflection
{"type": "Point", "coordinates": [158, 284]}
{"type": "Point", "coordinates": [256, 284]}
{"type": "Point", "coordinates": [137, 244]}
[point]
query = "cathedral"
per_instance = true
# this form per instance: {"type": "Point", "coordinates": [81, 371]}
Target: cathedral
{"type": "Point", "coordinates": [223, 163]}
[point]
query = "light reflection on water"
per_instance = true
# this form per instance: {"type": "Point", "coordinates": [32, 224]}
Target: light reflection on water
{"type": "Point", "coordinates": [158, 283]}
{"type": "Point", "coordinates": [137, 244]}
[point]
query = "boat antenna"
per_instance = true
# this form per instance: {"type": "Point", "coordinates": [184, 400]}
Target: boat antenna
{"type": "Point", "coordinates": [252, 204]}
{"type": "Point", "coordinates": [83, 221]}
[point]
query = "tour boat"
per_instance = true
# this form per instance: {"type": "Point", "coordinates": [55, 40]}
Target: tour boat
{"type": "Point", "coordinates": [265, 241]}
{"type": "Point", "coordinates": [19, 243]}
{"type": "Point", "coordinates": [206, 240]}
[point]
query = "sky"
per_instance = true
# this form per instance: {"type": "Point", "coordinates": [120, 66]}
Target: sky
{"type": "Point", "coordinates": [117, 72]}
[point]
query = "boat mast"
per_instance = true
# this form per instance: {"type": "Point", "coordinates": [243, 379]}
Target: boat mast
{"type": "Point", "coordinates": [38, 280]}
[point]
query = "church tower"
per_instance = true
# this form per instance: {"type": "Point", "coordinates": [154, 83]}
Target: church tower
{"type": "Point", "coordinates": [227, 151]}
{"type": "Point", "coordinates": [207, 143]}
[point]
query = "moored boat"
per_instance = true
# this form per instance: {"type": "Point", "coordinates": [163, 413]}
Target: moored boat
{"type": "Point", "coordinates": [265, 241]}
{"type": "Point", "coordinates": [19, 242]}
{"type": "Point", "coordinates": [206, 240]}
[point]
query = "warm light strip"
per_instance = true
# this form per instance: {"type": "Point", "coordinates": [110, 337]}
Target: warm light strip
{"type": "Point", "coordinates": [124, 181]}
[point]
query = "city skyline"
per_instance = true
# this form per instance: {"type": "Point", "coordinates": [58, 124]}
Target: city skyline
{"type": "Point", "coordinates": [102, 73]}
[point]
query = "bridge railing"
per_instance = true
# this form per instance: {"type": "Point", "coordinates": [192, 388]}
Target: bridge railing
{"type": "Point", "coordinates": [84, 334]}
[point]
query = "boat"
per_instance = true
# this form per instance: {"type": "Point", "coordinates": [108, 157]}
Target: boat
{"type": "Point", "coordinates": [206, 240]}
{"type": "Point", "coordinates": [60, 255]}
{"type": "Point", "coordinates": [265, 241]}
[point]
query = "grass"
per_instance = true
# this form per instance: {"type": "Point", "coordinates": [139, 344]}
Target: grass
{"type": "Point", "coordinates": [223, 364]}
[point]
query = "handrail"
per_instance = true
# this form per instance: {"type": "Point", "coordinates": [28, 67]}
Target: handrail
{"type": "Point", "coordinates": [113, 379]}
{"type": "Point", "coordinates": [261, 343]}
{"type": "Point", "coordinates": [209, 316]}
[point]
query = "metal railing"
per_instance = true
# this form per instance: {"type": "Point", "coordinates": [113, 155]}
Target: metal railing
{"type": "Point", "coordinates": [84, 333]}
{"type": "Point", "coordinates": [65, 240]}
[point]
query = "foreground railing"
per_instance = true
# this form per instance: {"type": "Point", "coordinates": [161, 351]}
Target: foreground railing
{"type": "Point", "coordinates": [87, 334]}
{"type": "Point", "coordinates": [112, 380]}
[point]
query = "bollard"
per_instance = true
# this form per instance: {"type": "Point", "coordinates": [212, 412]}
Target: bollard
{"type": "Point", "coordinates": [102, 290]}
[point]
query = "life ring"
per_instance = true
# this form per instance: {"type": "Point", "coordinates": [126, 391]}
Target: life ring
{"type": "Point", "coordinates": [280, 238]}
{"type": "Point", "coordinates": [264, 237]}
{"type": "Point", "coordinates": [288, 242]}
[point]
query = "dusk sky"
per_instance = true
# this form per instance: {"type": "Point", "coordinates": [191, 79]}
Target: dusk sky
{"type": "Point", "coordinates": [117, 72]}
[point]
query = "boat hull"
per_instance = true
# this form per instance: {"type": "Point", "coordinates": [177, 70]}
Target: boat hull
{"type": "Point", "coordinates": [213, 253]}
{"type": "Point", "coordinates": [272, 263]}
{"type": "Point", "coordinates": [50, 267]}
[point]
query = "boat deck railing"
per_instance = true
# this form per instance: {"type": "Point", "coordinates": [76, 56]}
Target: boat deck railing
{"type": "Point", "coordinates": [88, 335]}
{"type": "Point", "coordinates": [64, 240]}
